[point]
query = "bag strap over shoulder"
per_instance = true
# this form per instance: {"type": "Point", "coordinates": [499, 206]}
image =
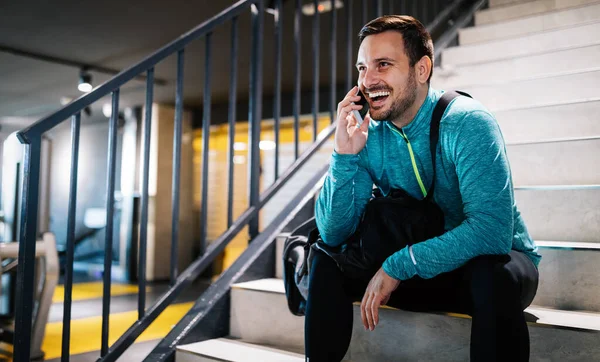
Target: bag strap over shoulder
{"type": "Point", "coordinates": [434, 134]}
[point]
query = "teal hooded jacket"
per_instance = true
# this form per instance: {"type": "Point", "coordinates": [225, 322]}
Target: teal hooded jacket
{"type": "Point", "coordinates": [473, 187]}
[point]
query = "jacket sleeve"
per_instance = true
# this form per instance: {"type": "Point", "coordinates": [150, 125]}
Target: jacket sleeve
{"type": "Point", "coordinates": [485, 184]}
{"type": "Point", "coordinates": [342, 200]}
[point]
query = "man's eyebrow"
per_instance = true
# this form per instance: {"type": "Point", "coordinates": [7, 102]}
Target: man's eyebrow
{"type": "Point", "coordinates": [377, 61]}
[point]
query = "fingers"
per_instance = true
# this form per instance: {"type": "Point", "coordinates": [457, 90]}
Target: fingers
{"type": "Point", "coordinates": [363, 311]}
{"type": "Point", "coordinates": [351, 121]}
{"type": "Point", "coordinates": [368, 312]}
{"type": "Point", "coordinates": [352, 92]}
{"type": "Point", "coordinates": [364, 127]}
{"type": "Point", "coordinates": [347, 101]}
{"type": "Point", "coordinates": [375, 302]}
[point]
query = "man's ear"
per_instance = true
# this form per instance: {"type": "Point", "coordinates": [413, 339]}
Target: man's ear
{"type": "Point", "coordinates": [423, 69]}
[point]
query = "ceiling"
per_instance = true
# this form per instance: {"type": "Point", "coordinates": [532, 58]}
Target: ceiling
{"type": "Point", "coordinates": [117, 34]}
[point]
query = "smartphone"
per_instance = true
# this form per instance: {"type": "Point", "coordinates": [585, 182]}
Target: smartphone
{"type": "Point", "coordinates": [361, 113]}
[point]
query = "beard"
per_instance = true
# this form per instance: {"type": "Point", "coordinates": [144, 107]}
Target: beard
{"type": "Point", "coordinates": [400, 105]}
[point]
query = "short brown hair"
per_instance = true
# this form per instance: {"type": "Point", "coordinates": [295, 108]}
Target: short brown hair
{"type": "Point", "coordinates": [417, 41]}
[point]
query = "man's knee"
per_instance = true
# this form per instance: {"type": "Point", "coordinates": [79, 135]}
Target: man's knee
{"type": "Point", "coordinates": [323, 272]}
{"type": "Point", "coordinates": [492, 282]}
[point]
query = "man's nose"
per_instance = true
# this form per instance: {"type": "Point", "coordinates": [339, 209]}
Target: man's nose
{"type": "Point", "coordinates": [370, 78]}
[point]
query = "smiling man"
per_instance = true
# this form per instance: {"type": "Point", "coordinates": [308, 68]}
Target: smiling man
{"type": "Point", "coordinates": [485, 262]}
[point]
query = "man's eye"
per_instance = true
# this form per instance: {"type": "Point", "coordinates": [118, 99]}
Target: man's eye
{"type": "Point", "coordinates": [360, 69]}
{"type": "Point", "coordinates": [384, 64]}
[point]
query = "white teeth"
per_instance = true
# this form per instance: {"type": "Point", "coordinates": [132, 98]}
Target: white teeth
{"type": "Point", "coordinates": [378, 94]}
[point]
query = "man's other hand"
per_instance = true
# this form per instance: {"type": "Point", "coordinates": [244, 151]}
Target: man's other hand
{"type": "Point", "coordinates": [350, 139]}
{"type": "Point", "coordinates": [378, 292]}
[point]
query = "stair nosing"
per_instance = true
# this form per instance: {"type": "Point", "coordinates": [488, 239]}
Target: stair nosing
{"type": "Point", "coordinates": [568, 245]}
{"type": "Point", "coordinates": [545, 105]}
{"type": "Point", "coordinates": [451, 67]}
{"type": "Point", "coordinates": [553, 140]}
{"type": "Point", "coordinates": [532, 32]}
{"type": "Point", "coordinates": [563, 73]}
{"type": "Point", "coordinates": [508, 21]}
{"type": "Point", "coordinates": [578, 25]}
{"type": "Point", "coordinates": [557, 187]}
{"type": "Point", "coordinates": [520, 3]}
{"type": "Point", "coordinates": [509, 57]}
{"type": "Point", "coordinates": [232, 342]}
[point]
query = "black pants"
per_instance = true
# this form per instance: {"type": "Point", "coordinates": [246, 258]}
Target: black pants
{"type": "Point", "coordinates": [493, 290]}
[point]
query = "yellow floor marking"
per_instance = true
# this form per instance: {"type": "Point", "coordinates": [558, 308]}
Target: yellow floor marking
{"type": "Point", "coordinates": [92, 290]}
{"type": "Point", "coordinates": [86, 333]}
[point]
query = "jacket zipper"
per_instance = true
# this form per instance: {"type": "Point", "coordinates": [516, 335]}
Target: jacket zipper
{"type": "Point", "coordinates": [412, 158]}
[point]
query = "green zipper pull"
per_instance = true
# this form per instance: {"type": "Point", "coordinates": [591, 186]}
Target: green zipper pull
{"type": "Point", "coordinates": [414, 163]}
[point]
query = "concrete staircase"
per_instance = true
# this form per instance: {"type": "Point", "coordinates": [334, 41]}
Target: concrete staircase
{"type": "Point", "coordinates": [536, 65]}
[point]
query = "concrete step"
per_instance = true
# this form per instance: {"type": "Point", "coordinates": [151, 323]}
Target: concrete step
{"type": "Point", "coordinates": [227, 350]}
{"type": "Point", "coordinates": [523, 9]}
{"type": "Point", "coordinates": [569, 276]}
{"type": "Point", "coordinates": [538, 43]}
{"type": "Point", "coordinates": [565, 162]}
{"type": "Point", "coordinates": [521, 67]}
{"type": "Point", "coordinates": [259, 314]}
{"type": "Point", "coordinates": [532, 24]}
{"type": "Point", "coordinates": [557, 89]}
{"type": "Point", "coordinates": [439, 337]}
{"type": "Point", "coordinates": [538, 65]}
{"type": "Point", "coordinates": [561, 212]}
{"type": "Point", "coordinates": [568, 120]}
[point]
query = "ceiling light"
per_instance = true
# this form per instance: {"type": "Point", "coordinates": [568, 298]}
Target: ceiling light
{"type": "Point", "coordinates": [85, 82]}
{"type": "Point", "coordinates": [322, 7]}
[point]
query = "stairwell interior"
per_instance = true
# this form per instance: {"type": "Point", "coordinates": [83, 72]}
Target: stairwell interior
{"type": "Point", "coordinates": [535, 64]}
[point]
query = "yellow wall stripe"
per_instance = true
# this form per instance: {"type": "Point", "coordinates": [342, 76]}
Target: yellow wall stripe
{"type": "Point", "coordinates": [93, 290]}
{"type": "Point", "coordinates": [86, 332]}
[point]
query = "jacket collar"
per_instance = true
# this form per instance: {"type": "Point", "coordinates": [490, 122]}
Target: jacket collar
{"type": "Point", "coordinates": [422, 119]}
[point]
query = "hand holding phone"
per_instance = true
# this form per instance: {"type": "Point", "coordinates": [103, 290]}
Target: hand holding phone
{"type": "Point", "coordinates": [351, 133]}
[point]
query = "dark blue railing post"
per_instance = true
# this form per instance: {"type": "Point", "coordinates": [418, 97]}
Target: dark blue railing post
{"type": "Point", "coordinates": [315, 63]}
{"type": "Point", "coordinates": [110, 208]}
{"type": "Point", "coordinates": [176, 176]}
{"type": "Point", "coordinates": [277, 105]}
{"type": "Point", "coordinates": [297, 78]}
{"type": "Point", "coordinates": [144, 212]}
{"type": "Point", "coordinates": [255, 113]}
{"type": "Point", "coordinates": [379, 7]}
{"type": "Point", "coordinates": [66, 336]}
{"type": "Point", "coordinates": [205, 141]}
{"type": "Point", "coordinates": [232, 115]}
{"type": "Point", "coordinates": [349, 50]}
{"type": "Point", "coordinates": [332, 65]}
{"type": "Point", "coordinates": [27, 240]}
